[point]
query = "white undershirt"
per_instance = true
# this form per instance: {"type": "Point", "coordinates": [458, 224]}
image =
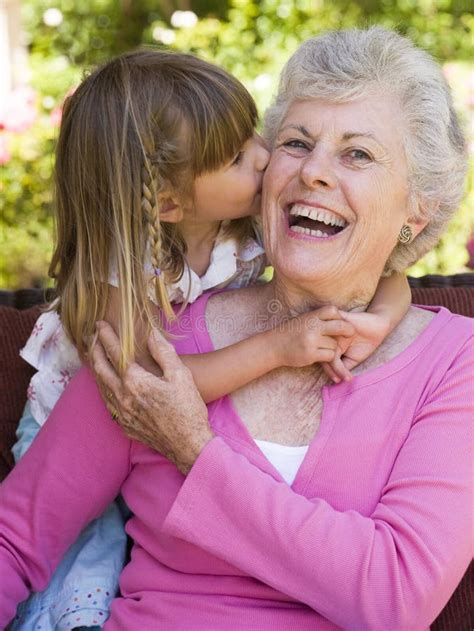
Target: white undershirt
{"type": "Point", "coordinates": [285, 458]}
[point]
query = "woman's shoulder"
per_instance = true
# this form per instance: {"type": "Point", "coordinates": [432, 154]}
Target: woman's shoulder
{"type": "Point", "coordinates": [439, 318]}
{"type": "Point", "coordinates": [436, 335]}
{"type": "Point", "coordinates": [427, 335]}
{"type": "Point", "coordinates": [436, 327]}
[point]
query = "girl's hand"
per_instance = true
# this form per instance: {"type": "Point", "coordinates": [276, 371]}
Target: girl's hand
{"type": "Point", "coordinates": [312, 337]}
{"type": "Point", "coordinates": [370, 331]}
{"type": "Point", "coordinates": [166, 413]}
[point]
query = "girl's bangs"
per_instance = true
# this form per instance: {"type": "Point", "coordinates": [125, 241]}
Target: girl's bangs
{"type": "Point", "coordinates": [226, 120]}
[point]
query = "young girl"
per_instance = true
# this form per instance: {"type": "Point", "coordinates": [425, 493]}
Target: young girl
{"type": "Point", "coordinates": [158, 178]}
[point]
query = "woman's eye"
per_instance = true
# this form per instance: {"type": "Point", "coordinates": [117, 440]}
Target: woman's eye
{"type": "Point", "coordinates": [295, 144]}
{"type": "Point", "coordinates": [359, 155]}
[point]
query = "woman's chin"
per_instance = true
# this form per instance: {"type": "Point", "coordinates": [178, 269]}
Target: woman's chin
{"type": "Point", "coordinates": [307, 259]}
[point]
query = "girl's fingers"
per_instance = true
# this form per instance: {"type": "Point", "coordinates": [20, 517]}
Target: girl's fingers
{"type": "Point", "coordinates": [340, 368]}
{"type": "Point", "coordinates": [325, 355]}
{"type": "Point", "coordinates": [327, 313]}
{"type": "Point", "coordinates": [338, 328]}
{"type": "Point", "coordinates": [349, 363]}
{"type": "Point", "coordinates": [326, 341]}
{"type": "Point", "coordinates": [337, 369]}
{"type": "Point", "coordinates": [344, 343]}
{"type": "Point", "coordinates": [164, 354]}
{"type": "Point", "coordinates": [328, 369]}
{"type": "Point", "coordinates": [110, 342]}
{"type": "Point", "coordinates": [104, 371]}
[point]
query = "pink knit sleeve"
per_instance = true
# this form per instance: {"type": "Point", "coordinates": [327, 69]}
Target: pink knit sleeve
{"type": "Point", "coordinates": [72, 471]}
{"type": "Point", "coordinates": [393, 570]}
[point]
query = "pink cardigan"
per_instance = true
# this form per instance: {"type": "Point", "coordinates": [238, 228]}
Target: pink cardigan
{"type": "Point", "coordinates": [375, 532]}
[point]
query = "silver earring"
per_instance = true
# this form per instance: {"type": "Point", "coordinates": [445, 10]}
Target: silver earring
{"type": "Point", "coordinates": [406, 234]}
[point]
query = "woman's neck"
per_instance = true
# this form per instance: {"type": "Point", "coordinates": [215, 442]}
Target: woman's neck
{"type": "Point", "coordinates": [200, 239]}
{"type": "Point", "coordinates": [290, 300]}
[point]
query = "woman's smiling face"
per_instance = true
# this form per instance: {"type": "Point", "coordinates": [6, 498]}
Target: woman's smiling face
{"type": "Point", "coordinates": [336, 190]}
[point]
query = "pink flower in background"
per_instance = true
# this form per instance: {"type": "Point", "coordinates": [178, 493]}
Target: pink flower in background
{"type": "Point", "coordinates": [55, 116]}
{"type": "Point", "coordinates": [19, 111]}
{"type": "Point", "coordinates": [5, 154]}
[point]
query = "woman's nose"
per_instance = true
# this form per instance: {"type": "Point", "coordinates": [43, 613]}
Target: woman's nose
{"type": "Point", "coordinates": [263, 155]}
{"type": "Point", "coordinates": [317, 170]}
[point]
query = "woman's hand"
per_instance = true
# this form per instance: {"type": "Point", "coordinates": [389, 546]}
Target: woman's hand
{"type": "Point", "coordinates": [167, 413]}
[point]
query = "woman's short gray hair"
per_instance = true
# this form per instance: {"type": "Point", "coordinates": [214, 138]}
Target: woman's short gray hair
{"type": "Point", "coordinates": [341, 66]}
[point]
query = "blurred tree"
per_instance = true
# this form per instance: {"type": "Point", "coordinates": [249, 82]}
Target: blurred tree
{"type": "Point", "coordinates": [91, 30]}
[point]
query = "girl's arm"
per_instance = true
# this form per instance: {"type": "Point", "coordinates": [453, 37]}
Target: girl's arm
{"type": "Point", "coordinates": [392, 299]}
{"type": "Point", "coordinates": [73, 470]}
{"type": "Point", "coordinates": [389, 305]}
{"type": "Point", "coordinates": [299, 341]}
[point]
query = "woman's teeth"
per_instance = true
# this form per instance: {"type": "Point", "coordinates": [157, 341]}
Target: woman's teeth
{"type": "Point", "coordinates": [315, 222]}
{"type": "Point", "coordinates": [313, 233]}
{"type": "Point", "coordinates": [318, 214]}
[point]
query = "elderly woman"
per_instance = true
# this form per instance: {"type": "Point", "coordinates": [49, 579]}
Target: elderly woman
{"type": "Point", "coordinates": [304, 505]}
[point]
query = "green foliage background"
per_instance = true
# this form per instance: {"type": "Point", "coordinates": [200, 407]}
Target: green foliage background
{"type": "Point", "coordinates": [250, 38]}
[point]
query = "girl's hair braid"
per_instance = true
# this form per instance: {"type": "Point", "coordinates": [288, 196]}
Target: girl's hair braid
{"type": "Point", "coordinates": [151, 214]}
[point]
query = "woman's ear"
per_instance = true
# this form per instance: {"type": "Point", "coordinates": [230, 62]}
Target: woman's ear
{"type": "Point", "coordinates": [417, 224]}
{"type": "Point", "coordinates": [419, 215]}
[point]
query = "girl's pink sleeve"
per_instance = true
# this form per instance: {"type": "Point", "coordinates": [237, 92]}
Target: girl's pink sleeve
{"type": "Point", "coordinates": [73, 470]}
{"type": "Point", "coordinates": [395, 569]}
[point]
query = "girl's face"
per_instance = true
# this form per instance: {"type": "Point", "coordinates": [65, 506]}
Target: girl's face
{"type": "Point", "coordinates": [234, 190]}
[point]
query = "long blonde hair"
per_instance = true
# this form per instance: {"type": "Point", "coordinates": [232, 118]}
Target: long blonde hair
{"type": "Point", "coordinates": [143, 121]}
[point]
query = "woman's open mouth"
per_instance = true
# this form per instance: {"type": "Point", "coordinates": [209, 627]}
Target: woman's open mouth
{"type": "Point", "coordinates": [314, 222]}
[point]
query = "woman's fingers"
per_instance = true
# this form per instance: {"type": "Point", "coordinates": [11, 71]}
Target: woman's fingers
{"type": "Point", "coordinates": [110, 342]}
{"type": "Point", "coordinates": [103, 370]}
{"type": "Point", "coordinates": [164, 354]}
